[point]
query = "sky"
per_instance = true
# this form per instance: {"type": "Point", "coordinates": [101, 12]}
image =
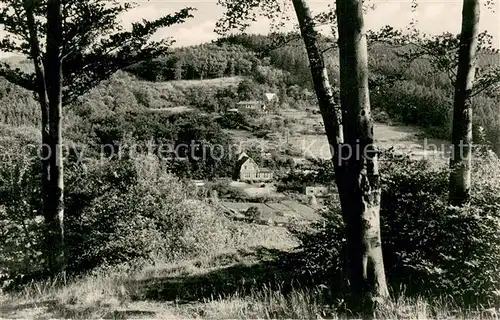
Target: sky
{"type": "Point", "coordinates": [433, 17]}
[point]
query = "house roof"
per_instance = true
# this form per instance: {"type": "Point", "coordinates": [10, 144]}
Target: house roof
{"type": "Point", "coordinates": [270, 96]}
{"type": "Point", "coordinates": [242, 161]}
{"type": "Point", "coordinates": [241, 155]}
{"type": "Point", "coordinates": [243, 158]}
{"type": "Point", "coordinates": [316, 185]}
{"type": "Point", "coordinates": [198, 182]}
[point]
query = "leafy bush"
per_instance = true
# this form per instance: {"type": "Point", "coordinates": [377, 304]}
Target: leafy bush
{"type": "Point", "coordinates": [317, 172]}
{"type": "Point", "coordinates": [116, 211]}
{"type": "Point", "coordinates": [21, 227]}
{"type": "Point", "coordinates": [224, 190]}
{"type": "Point", "coordinates": [234, 120]}
{"type": "Point", "coordinates": [139, 212]}
{"type": "Point", "coordinates": [253, 213]}
{"type": "Point", "coordinates": [429, 247]}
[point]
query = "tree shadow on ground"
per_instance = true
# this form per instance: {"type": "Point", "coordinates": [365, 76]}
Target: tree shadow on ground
{"type": "Point", "coordinates": [11, 309]}
{"type": "Point", "coordinates": [54, 309]}
{"type": "Point", "coordinates": [127, 314]}
{"type": "Point", "coordinates": [238, 278]}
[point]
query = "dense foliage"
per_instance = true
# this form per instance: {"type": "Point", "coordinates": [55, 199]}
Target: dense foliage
{"type": "Point", "coordinates": [429, 247]}
{"type": "Point", "coordinates": [416, 94]}
{"type": "Point", "coordinates": [192, 145]}
{"type": "Point", "coordinates": [118, 210]}
{"type": "Point", "coordinates": [206, 61]}
{"type": "Point", "coordinates": [121, 208]}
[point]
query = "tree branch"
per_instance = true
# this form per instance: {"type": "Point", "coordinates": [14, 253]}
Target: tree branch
{"type": "Point", "coordinates": [17, 77]}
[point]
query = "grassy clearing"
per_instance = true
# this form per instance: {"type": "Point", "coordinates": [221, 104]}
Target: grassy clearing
{"type": "Point", "coordinates": [212, 83]}
{"type": "Point", "coordinates": [153, 289]}
{"type": "Point", "coordinates": [228, 284]}
{"type": "Point", "coordinates": [231, 285]}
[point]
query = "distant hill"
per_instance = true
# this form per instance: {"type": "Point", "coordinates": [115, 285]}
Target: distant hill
{"type": "Point", "coordinates": [201, 74]}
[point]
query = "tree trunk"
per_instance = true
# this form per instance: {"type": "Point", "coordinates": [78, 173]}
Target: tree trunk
{"type": "Point", "coordinates": [461, 138]}
{"type": "Point", "coordinates": [360, 190]}
{"type": "Point", "coordinates": [356, 176]}
{"type": "Point", "coordinates": [43, 100]}
{"type": "Point", "coordinates": [54, 210]}
{"type": "Point", "coordinates": [324, 92]}
{"type": "Point", "coordinates": [41, 91]}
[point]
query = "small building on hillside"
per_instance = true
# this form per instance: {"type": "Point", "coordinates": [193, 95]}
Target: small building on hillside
{"type": "Point", "coordinates": [248, 170]}
{"type": "Point", "coordinates": [198, 183]}
{"type": "Point", "coordinates": [267, 100]}
{"type": "Point", "coordinates": [271, 98]}
{"type": "Point", "coordinates": [254, 105]}
{"type": "Point", "coordinates": [316, 190]}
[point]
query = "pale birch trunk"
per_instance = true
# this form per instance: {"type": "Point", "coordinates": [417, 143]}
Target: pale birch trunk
{"type": "Point", "coordinates": [461, 139]}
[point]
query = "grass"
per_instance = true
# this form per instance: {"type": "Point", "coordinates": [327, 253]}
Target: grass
{"type": "Point", "coordinates": [237, 283]}
{"type": "Point", "coordinates": [232, 285]}
{"type": "Point", "coordinates": [153, 289]}
{"type": "Point", "coordinates": [216, 83]}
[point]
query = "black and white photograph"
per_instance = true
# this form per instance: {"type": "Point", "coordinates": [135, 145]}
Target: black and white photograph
{"type": "Point", "coordinates": [250, 159]}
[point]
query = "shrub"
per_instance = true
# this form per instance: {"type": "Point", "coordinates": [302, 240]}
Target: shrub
{"type": "Point", "coordinates": [254, 213]}
{"type": "Point", "coordinates": [234, 120]}
{"type": "Point", "coordinates": [139, 211]}
{"type": "Point", "coordinates": [224, 190]}
{"type": "Point", "coordinates": [21, 226]}
{"type": "Point", "coordinates": [429, 247]}
{"type": "Point", "coordinates": [317, 172]}
{"type": "Point", "coordinates": [116, 211]}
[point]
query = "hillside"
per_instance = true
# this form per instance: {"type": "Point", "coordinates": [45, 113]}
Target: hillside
{"type": "Point", "coordinates": [163, 218]}
{"type": "Point", "coordinates": [422, 97]}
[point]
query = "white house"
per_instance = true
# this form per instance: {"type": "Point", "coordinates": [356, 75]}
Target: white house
{"type": "Point", "coordinates": [248, 170]}
{"type": "Point", "coordinates": [271, 97]}
{"type": "Point", "coordinates": [316, 190]}
{"type": "Point", "coordinates": [251, 105]}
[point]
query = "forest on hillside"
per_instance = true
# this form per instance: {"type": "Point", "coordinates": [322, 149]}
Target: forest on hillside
{"type": "Point", "coordinates": [416, 95]}
{"type": "Point", "coordinates": [113, 204]}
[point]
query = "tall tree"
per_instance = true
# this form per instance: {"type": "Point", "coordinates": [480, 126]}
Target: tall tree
{"type": "Point", "coordinates": [54, 206]}
{"type": "Point", "coordinates": [356, 173]}
{"type": "Point", "coordinates": [455, 56]}
{"type": "Point", "coordinates": [360, 190]}
{"type": "Point", "coordinates": [85, 45]}
{"type": "Point", "coordinates": [461, 137]}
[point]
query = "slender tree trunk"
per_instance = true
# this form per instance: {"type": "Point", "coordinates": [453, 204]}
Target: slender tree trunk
{"type": "Point", "coordinates": [329, 108]}
{"type": "Point", "coordinates": [360, 190]}
{"type": "Point", "coordinates": [54, 210]}
{"type": "Point", "coordinates": [40, 84]}
{"type": "Point", "coordinates": [461, 139]}
{"type": "Point", "coordinates": [356, 176]}
{"type": "Point", "coordinates": [43, 100]}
